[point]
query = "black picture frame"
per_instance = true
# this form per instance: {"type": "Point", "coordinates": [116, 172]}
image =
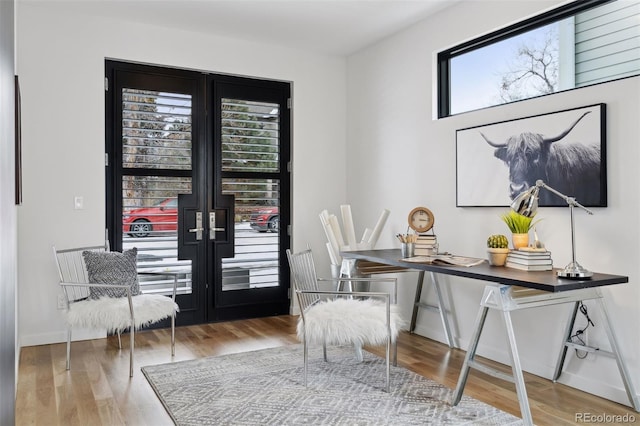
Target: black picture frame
{"type": "Point", "coordinates": [565, 149]}
{"type": "Point", "coordinates": [18, 144]}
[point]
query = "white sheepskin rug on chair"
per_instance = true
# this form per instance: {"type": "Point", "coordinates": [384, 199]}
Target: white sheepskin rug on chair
{"type": "Point", "coordinates": [347, 321]}
{"type": "Point", "coordinates": [113, 313]}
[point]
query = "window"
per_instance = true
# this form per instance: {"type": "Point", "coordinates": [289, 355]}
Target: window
{"type": "Point", "coordinates": [576, 45]}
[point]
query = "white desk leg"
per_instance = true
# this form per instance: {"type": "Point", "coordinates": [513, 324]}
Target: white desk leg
{"type": "Point", "coordinates": [613, 342]}
{"type": "Point", "coordinates": [471, 353]}
{"type": "Point", "coordinates": [497, 298]}
{"type": "Point", "coordinates": [516, 368]}
{"type": "Point", "coordinates": [416, 302]}
{"type": "Point", "coordinates": [626, 378]}
{"type": "Point", "coordinates": [566, 338]}
{"type": "Point", "coordinates": [443, 311]}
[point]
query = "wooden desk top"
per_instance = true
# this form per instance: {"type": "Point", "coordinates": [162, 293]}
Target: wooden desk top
{"type": "Point", "coordinates": [540, 280]}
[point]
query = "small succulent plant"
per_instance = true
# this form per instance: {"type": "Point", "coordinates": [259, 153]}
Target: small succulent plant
{"type": "Point", "coordinates": [497, 241]}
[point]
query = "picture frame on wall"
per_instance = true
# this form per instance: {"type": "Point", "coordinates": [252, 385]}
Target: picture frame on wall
{"type": "Point", "coordinates": [18, 144]}
{"type": "Point", "coordinates": [565, 149]}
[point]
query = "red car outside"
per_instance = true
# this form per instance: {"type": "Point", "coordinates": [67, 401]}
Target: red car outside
{"type": "Point", "coordinates": [265, 219]}
{"type": "Point", "coordinates": [146, 221]}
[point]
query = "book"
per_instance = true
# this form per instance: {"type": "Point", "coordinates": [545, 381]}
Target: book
{"type": "Point", "coordinates": [445, 259]}
{"type": "Point", "coordinates": [520, 261]}
{"type": "Point", "coordinates": [530, 254]}
{"type": "Point", "coordinates": [528, 267]}
{"type": "Point", "coordinates": [426, 245]}
{"type": "Point", "coordinates": [424, 251]}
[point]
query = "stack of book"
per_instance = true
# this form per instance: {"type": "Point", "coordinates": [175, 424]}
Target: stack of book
{"type": "Point", "coordinates": [530, 260]}
{"type": "Point", "coordinates": [426, 245]}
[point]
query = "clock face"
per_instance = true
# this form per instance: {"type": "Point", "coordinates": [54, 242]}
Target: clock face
{"type": "Point", "coordinates": [421, 219]}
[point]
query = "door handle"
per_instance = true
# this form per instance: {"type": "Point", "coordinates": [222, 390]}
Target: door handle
{"type": "Point", "coordinates": [212, 226]}
{"type": "Point", "coordinates": [199, 228]}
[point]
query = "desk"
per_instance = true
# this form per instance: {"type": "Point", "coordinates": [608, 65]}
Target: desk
{"type": "Point", "coordinates": [511, 290]}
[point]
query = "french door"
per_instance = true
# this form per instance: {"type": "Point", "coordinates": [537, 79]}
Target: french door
{"type": "Point", "coordinates": [198, 182]}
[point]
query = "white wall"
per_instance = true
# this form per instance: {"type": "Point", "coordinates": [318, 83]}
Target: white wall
{"type": "Point", "coordinates": [399, 158]}
{"type": "Point", "coordinates": [61, 62]}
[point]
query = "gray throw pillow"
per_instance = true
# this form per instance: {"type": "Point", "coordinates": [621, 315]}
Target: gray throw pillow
{"type": "Point", "coordinates": [112, 268]}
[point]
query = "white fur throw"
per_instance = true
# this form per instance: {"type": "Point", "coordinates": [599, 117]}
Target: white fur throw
{"type": "Point", "coordinates": [349, 321]}
{"type": "Point", "coordinates": [113, 315]}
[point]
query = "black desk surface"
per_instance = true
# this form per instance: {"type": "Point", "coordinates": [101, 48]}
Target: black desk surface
{"type": "Point", "coordinates": [540, 280]}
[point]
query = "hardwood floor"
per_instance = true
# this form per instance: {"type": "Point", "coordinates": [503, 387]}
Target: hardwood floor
{"type": "Point", "coordinates": [97, 390]}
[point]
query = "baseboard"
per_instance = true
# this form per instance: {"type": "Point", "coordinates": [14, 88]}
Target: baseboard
{"type": "Point", "coordinates": [60, 337]}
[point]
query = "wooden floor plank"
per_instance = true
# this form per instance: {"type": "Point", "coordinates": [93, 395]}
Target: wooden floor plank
{"type": "Point", "coordinates": [98, 390]}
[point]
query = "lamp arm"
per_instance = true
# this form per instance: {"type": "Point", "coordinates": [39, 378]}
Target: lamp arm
{"type": "Point", "coordinates": [570, 200]}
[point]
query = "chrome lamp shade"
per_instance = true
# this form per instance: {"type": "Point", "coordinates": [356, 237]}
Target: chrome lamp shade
{"type": "Point", "coordinates": [526, 204]}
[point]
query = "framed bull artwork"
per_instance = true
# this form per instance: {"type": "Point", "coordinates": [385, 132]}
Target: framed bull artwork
{"type": "Point", "coordinates": [566, 149]}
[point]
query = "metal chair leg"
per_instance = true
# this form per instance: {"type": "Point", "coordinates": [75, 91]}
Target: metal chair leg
{"type": "Point", "coordinates": [387, 363]}
{"type": "Point", "coordinates": [358, 351]}
{"type": "Point", "coordinates": [395, 353]}
{"type": "Point", "coordinates": [306, 354]}
{"type": "Point", "coordinates": [131, 348]}
{"type": "Point", "coordinates": [173, 334]}
{"type": "Point", "coordinates": [68, 348]}
{"type": "Point", "coordinates": [119, 340]}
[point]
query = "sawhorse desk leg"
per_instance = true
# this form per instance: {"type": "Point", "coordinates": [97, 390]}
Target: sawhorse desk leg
{"type": "Point", "coordinates": [440, 308]}
{"type": "Point", "coordinates": [469, 362]}
{"type": "Point", "coordinates": [506, 299]}
{"type": "Point", "coordinates": [613, 342]}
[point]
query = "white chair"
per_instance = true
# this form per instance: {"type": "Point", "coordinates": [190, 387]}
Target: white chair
{"type": "Point", "coordinates": [342, 317]}
{"type": "Point", "coordinates": [88, 307]}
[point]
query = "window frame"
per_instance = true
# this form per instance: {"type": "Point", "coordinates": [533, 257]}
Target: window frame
{"type": "Point", "coordinates": [443, 58]}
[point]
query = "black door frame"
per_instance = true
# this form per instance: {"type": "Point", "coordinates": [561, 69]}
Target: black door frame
{"type": "Point", "coordinates": [206, 169]}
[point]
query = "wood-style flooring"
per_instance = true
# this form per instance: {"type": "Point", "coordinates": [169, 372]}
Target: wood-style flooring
{"type": "Point", "coordinates": [98, 391]}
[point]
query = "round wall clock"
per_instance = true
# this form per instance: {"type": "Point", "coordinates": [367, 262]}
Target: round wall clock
{"type": "Point", "coordinates": [421, 219]}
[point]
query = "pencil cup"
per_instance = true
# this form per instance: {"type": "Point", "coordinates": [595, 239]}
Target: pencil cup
{"type": "Point", "coordinates": [408, 249]}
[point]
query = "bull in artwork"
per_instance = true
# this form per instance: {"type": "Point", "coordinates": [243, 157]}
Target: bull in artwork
{"type": "Point", "coordinates": [571, 168]}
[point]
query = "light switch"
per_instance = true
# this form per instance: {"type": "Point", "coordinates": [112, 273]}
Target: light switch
{"type": "Point", "coordinates": [78, 203]}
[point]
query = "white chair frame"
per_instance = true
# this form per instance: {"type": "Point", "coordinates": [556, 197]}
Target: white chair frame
{"type": "Point", "coordinates": [74, 281]}
{"type": "Point", "coordinates": [308, 295]}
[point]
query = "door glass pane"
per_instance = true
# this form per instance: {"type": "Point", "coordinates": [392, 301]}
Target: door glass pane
{"type": "Point", "coordinates": [257, 230]}
{"type": "Point", "coordinates": [156, 130]}
{"type": "Point", "coordinates": [251, 144]}
{"type": "Point", "coordinates": [250, 136]}
{"type": "Point", "coordinates": [156, 144]}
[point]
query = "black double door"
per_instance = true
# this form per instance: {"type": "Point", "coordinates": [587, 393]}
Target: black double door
{"type": "Point", "coordinates": [198, 181]}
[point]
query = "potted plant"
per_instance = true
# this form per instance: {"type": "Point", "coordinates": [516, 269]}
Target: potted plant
{"type": "Point", "coordinates": [497, 249]}
{"type": "Point", "coordinates": [519, 226]}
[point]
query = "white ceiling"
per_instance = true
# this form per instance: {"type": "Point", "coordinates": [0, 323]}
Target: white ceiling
{"type": "Point", "coordinates": [336, 27]}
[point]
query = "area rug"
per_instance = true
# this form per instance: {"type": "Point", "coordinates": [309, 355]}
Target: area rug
{"type": "Point", "coordinates": [266, 388]}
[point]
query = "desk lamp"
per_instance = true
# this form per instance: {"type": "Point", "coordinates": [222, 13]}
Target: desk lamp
{"type": "Point", "coordinates": [526, 204]}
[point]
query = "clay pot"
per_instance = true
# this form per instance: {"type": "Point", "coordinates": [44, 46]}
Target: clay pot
{"type": "Point", "coordinates": [497, 256]}
{"type": "Point", "coordinates": [519, 240]}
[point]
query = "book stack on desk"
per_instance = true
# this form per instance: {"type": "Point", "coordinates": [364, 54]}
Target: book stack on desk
{"type": "Point", "coordinates": [426, 245]}
{"type": "Point", "coordinates": [530, 260]}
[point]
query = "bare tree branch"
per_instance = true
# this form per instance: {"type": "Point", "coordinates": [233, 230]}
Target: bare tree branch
{"type": "Point", "coordinates": [533, 72]}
